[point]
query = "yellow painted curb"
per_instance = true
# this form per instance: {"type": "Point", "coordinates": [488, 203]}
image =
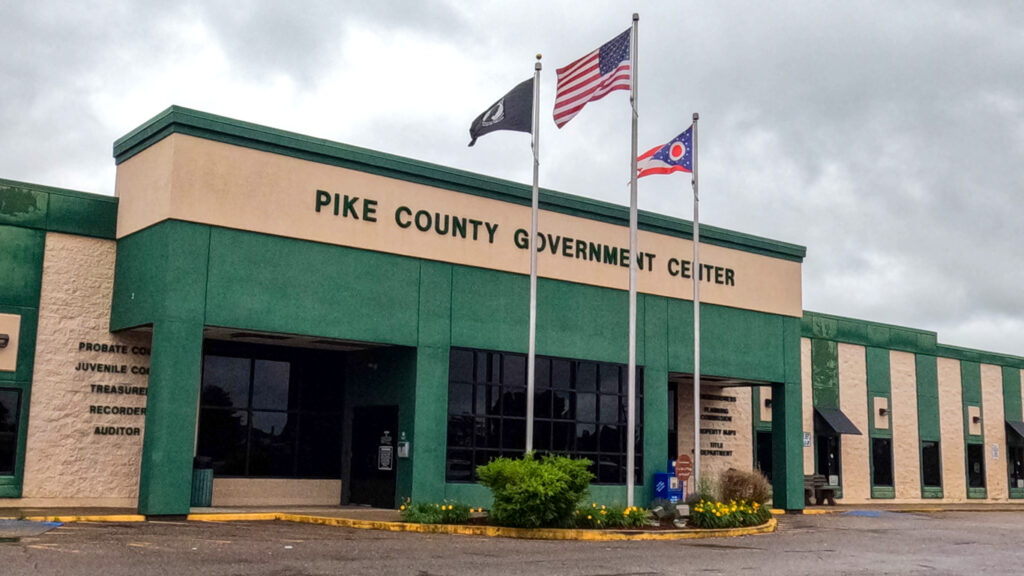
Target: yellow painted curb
{"type": "Point", "coordinates": [234, 517]}
{"type": "Point", "coordinates": [806, 511]}
{"type": "Point", "coordinates": [493, 531]}
{"type": "Point", "coordinates": [89, 518]}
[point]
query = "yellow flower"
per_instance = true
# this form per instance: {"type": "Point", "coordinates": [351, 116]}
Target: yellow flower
{"type": "Point", "coordinates": [593, 504]}
{"type": "Point", "coordinates": [402, 507]}
{"type": "Point", "coordinates": [589, 517]}
{"type": "Point", "coordinates": [602, 506]}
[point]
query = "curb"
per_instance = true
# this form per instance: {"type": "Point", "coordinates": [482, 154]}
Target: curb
{"type": "Point", "coordinates": [88, 518]}
{"type": "Point", "coordinates": [494, 531]}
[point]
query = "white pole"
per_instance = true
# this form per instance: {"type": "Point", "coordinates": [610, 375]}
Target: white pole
{"type": "Point", "coordinates": [697, 276]}
{"type": "Point", "coordinates": [631, 402]}
{"type": "Point", "coordinates": [531, 359]}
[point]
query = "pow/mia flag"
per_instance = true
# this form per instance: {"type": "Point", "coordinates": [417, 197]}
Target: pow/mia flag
{"type": "Point", "coordinates": [512, 112]}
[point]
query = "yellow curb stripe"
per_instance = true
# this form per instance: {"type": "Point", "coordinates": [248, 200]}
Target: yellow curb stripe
{"type": "Point", "coordinates": [523, 533]}
{"type": "Point", "coordinates": [234, 516]}
{"type": "Point", "coordinates": [89, 518]}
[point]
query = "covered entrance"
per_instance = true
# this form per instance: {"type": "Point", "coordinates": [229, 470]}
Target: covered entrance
{"type": "Point", "coordinates": [275, 415]}
{"type": "Point", "coordinates": [735, 418]}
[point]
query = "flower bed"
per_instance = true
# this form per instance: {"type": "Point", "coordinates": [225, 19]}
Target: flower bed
{"type": "Point", "coordinates": [732, 514]}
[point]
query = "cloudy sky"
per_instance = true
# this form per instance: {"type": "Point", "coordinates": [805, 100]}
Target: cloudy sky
{"type": "Point", "coordinates": [887, 138]}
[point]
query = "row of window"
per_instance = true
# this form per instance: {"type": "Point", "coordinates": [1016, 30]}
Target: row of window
{"type": "Point", "coordinates": [580, 409]}
{"type": "Point", "coordinates": [828, 462]}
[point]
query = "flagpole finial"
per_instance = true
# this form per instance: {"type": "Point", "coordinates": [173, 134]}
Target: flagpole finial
{"type": "Point", "coordinates": [636, 16]}
{"type": "Point", "coordinates": [538, 56]}
{"type": "Point", "coordinates": [536, 65]}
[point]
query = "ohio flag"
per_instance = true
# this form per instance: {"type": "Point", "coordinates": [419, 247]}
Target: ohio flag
{"type": "Point", "coordinates": [676, 156]}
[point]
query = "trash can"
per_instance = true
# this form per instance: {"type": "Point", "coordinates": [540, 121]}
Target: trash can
{"type": "Point", "coordinates": [666, 487]}
{"type": "Point", "coordinates": [202, 481]}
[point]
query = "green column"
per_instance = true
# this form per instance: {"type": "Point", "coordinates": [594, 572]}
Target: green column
{"type": "Point", "coordinates": [655, 363]}
{"type": "Point", "coordinates": [431, 396]}
{"type": "Point", "coordinates": [166, 478]}
{"type": "Point", "coordinates": [787, 426]}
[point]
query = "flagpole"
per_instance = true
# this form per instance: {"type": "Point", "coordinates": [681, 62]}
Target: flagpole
{"type": "Point", "coordinates": [531, 361]}
{"type": "Point", "coordinates": [631, 407]}
{"type": "Point", "coordinates": [697, 276]}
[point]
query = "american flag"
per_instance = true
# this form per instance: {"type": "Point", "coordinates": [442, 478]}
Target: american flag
{"type": "Point", "coordinates": [591, 77]}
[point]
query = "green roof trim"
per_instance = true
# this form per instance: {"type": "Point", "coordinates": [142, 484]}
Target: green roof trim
{"type": "Point", "coordinates": [817, 325]}
{"type": "Point", "coordinates": [57, 210]}
{"type": "Point", "coordinates": [221, 129]}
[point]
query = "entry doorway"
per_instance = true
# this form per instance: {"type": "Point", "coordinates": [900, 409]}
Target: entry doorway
{"type": "Point", "coordinates": [374, 460]}
{"type": "Point", "coordinates": [763, 453]}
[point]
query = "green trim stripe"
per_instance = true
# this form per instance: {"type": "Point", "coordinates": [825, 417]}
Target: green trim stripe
{"type": "Point", "coordinates": [178, 120]}
{"type": "Point", "coordinates": [892, 337]}
{"type": "Point", "coordinates": [57, 210]}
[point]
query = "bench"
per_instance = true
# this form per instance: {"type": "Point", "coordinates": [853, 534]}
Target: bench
{"type": "Point", "coordinates": [815, 486]}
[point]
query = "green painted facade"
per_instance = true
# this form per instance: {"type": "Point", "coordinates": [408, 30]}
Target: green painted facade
{"type": "Point", "coordinates": [826, 332]}
{"type": "Point", "coordinates": [27, 213]}
{"type": "Point", "coordinates": [176, 278]}
{"type": "Point", "coordinates": [247, 281]}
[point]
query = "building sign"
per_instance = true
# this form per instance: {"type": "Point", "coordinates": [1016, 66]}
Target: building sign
{"type": "Point", "coordinates": [112, 373]}
{"type": "Point", "coordinates": [717, 431]}
{"type": "Point", "coordinates": [284, 196]}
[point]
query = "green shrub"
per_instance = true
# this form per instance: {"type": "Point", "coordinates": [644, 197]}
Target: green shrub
{"type": "Point", "coordinates": [732, 514]}
{"type": "Point", "coordinates": [745, 485]}
{"type": "Point", "coordinates": [434, 513]}
{"type": "Point", "coordinates": [532, 493]}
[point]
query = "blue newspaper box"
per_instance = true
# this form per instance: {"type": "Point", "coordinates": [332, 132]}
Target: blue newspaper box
{"type": "Point", "coordinates": [667, 487]}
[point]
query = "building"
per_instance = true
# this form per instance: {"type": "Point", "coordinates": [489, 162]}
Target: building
{"type": "Point", "coordinates": [321, 323]}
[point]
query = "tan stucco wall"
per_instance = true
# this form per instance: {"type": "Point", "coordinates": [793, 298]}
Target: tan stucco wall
{"type": "Point", "coordinates": [853, 401]}
{"type": "Point", "coordinates": [951, 425]}
{"type": "Point", "coordinates": [187, 178]}
{"type": "Point", "coordinates": [277, 492]}
{"type": "Point", "coordinates": [807, 392]}
{"type": "Point", "coordinates": [905, 436]}
{"type": "Point", "coordinates": [994, 424]}
{"type": "Point", "coordinates": [66, 463]}
{"type": "Point", "coordinates": [740, 442]}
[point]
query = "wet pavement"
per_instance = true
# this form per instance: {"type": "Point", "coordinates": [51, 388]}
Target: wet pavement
{"type": "Point", "coordinates": [848, 542]}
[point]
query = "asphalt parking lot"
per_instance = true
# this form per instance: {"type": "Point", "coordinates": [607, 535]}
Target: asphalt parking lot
{"type": "Point", "coordinates": [851, 543]}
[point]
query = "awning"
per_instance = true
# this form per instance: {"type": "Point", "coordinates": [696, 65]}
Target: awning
{"type": "Point", "coordinates": [1017, 427]}
{"type": "Point", "coordinates": [837, 421]}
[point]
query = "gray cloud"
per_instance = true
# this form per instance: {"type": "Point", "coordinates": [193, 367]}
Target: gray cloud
{"type": "Point", "coordinates": [887, 138]}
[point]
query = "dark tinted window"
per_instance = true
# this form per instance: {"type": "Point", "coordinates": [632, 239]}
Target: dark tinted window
{"type": "Point", "coordinates": [975, 466]}
{"type": "Point", "coordinates": [931, 465]}
{"type": "Point", "coordinates": [10, 405]}
{"type": "Point", "coordinates": [271, 412]}
{"type": "Point", "coordinates": [881, 461]}
{"type": "Point", "coordinates": [579, 410]}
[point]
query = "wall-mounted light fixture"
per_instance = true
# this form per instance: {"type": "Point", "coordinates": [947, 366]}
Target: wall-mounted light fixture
{"type": "Point", "coordinates": [767, 402]}
{"type": "Point", "coordinates": [883, 411]}
{"type": "Point", "coordinates": [976, 420]}
{"type": "Point", "coordinates": [5, 339]}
